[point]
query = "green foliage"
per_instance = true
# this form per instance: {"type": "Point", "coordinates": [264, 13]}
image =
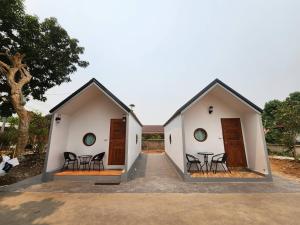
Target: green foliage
{"type": "Point", "coordinates": [51, 54]}
{"type": "Point", "coordinates": [9, 137]}
{"type": "Point", "coordinates": [282, 121]}
{"type": "Point", "coordinates": [13, 121]}
{"type": "Point", "coordinates": [269, 120]}
{"type": "Point", "coordinates": [38, 131]}
{"type": "Point", "coordinates": [153, 136]}
{"type": "Point", "coordinates": [288, 116]}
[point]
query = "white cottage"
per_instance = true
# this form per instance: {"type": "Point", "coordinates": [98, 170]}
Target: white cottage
{"type": "Point", "coordinates": [90, 121]}
{"type": "Point", "coordinates": [218, 120]}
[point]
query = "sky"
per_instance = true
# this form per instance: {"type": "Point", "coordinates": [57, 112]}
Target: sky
{"type": "Point", "coordinates": [158, 54]}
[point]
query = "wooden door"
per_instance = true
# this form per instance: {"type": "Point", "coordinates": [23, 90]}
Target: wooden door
{"type": "Point", "coordinates": [117, 141]}
{"type": "Point", "coordinates": [233, 142]}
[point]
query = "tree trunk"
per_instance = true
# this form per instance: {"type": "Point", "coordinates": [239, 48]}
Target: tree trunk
{"type": "Point", "coordinates": [24, 120]}
{"type": "Point", "coordinates": [16, 94]}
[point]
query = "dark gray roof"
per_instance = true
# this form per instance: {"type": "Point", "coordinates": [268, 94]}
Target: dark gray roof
{"type": "Point", "coordinates": [93, 80]}
{"type": "Point", "coordinates": [216, 81]}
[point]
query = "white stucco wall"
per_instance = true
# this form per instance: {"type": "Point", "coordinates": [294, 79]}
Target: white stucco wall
{"type": "Point", "coordinates": [255, 143]}
{"type": "Point", "coordinates": [93, 116]}
{"type": "Point", "coordinates": [197, 116]}
{"type": "Point", "coordinates": [134, 149]}
{"type": "Point", "coordinates": [175, 149]}
{"type": "Point", "coordinates": [58, 143]}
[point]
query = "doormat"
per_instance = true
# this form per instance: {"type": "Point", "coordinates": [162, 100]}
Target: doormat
{"type": "Point", "coordinates": [106, 183]}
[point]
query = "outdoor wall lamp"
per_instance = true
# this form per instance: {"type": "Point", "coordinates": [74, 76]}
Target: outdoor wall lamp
{"type": "Point", "coordinates": [124, 118]}
{"type": "Point", "coordinates": [210, 109]}
{"type": "Point", "coordinates": [58, 119]}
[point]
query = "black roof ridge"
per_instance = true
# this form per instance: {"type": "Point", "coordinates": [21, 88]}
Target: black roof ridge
{"type": "Point", "coordinates": [211, 84]}
{"type": "Point", "coordinates": [102, 87]}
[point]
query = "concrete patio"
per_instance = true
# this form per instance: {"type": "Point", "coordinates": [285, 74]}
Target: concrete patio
{"type": "Point", "coordinates": [155, 195]}
{"type": "Point", "coordinates": [155, 174]}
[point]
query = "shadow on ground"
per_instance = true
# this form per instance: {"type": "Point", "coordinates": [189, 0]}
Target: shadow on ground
{"type": "Point", "coordinates": [27, 212]}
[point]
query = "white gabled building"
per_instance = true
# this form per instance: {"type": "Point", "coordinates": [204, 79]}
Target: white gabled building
{"type": "Point", "coordinates": [93, 111]}
{"type": "Point", "coordinates": [225, 121]}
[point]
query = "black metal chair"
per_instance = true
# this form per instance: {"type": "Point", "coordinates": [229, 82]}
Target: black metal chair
{"type": "Point", "coordinates": [220, 159]}
{"type": "Point", "coordinates": [192, 160]}
{"type": "Point", "coordinates": [70, 158]}
{"type": "Point", "coordinates": [97, 159]}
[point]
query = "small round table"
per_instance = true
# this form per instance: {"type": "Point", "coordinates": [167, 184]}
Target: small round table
{"type": "Point", "coordinates": [205, 155]}
{"type": "Point", "coordinates": [84, 160]}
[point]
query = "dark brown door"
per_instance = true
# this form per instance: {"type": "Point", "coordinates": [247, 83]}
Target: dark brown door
{"type": "Point", "coordinates": [233, 142]}
{"type": "Point", "coordinates": [117, 142]}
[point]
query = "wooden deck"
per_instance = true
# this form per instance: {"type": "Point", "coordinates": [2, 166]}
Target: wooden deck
{"type": "Point", "coordinates": [233, 174]}
{"type": "Point", "coordinates": [90, 173]}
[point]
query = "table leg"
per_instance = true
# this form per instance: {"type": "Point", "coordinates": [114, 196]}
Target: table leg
{"type": "Point", "coordinates": [206, 162]}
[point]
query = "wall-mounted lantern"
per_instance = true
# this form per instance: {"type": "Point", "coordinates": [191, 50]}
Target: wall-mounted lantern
{"type": "Point", "coordinates": [124, 118]}
{"type": "Point", "coordinates": [210, 109]}
{"type": "Point", "coordinates": [58, 118]}
{"type": "Point", "coordinates": [132, 106]}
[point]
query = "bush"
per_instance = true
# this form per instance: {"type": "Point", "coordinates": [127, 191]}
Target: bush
{"type": "Point", "coordinates": [9, 137]}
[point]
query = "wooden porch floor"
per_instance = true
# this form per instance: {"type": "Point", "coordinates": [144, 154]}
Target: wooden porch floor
{"type": "Point", "coordinates": [90, 173]}
{"type": "Point", "coordinates": [233, 174]}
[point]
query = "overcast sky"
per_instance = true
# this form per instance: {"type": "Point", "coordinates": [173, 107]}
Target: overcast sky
{"type": "Point", "coordinates": [158, 54]}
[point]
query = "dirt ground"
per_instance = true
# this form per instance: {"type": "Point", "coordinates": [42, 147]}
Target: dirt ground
{"type": "Point", "coordinates": [143, 208]}
{"type": "Point", "coordinates": [288, 168]}
{"type": "Point", "coordinates": [31, 166]}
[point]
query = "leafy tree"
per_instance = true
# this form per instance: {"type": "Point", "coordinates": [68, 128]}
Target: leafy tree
{"type": "Point", "coordinates": [288, 116]}
{"type": "Point", "coordinates": [273, 132]}
{"type": "Point", "coordinates": [38, 131]}
{"type": "Point", "coordinates": [51, 57]}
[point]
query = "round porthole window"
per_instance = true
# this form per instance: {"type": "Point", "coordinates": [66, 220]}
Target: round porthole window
{"type": "Point", "coordinates": [89, 139]}
{"type": "Point", "coordinates": [200, 134]}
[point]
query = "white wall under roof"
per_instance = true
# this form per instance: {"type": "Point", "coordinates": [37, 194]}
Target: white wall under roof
{"type": "Point", "coordinates": [91, 113]}
{"type": "Point", "coordinates": [255, 143]}
{"type": "Point", "coordinates": [134, 148]}
{"type": "Point", "coordinates": [198, 117]}
{"type": "Point", "coordinates": [175, 149]}
{"type": "Point", "coordinates": [225, 105]}
{"type": "Point", "coordinates": [58, 143]}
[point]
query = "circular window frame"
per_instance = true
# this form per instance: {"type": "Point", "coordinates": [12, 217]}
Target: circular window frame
{"type": "Point", "coordinates": [85, 136]}
{"type": "Point", "coordinates": [202, 130]}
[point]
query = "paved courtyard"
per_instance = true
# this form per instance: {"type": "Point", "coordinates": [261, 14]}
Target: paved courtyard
{"type": "Point", "coordinates": [155, 174]}
{"type": "Point", "coordinates": [155, 195]}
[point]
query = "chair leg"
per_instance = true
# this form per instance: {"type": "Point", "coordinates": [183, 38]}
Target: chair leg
{"type": "Point", "coordinates": [102, 164]}
{"type": "Point", "coordinates": [198, 167]}
{"type": "Point", "coordinates": [63, 167]}
{"type": "Point", "coordinates": [201, 169]}
{"type": "Point", "coordinates": [223, 167]}
{"type": "Point", "coordinates": [211, 163]}
{"type": "Point", "coordinates": [189, 167]}
{"type": "Point", "coordinates": [67, 166]}
{"type": "Point", "coordinates": [216, 167]}
{"type": "Point", "coordinates": [227, 168]}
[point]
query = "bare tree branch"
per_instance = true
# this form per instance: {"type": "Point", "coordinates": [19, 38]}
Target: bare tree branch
{"type": "Point", "coordinates": [4, 66]}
